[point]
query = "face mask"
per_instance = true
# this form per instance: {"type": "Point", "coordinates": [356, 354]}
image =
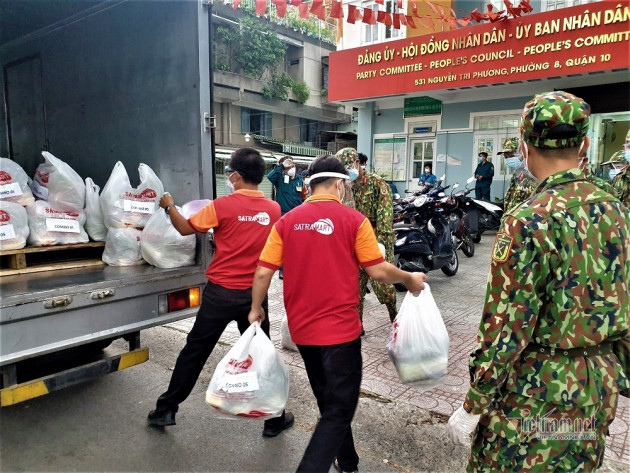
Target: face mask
{"type": "Point", "coordinates": [479, 160]}
{"type": "Point", "coordinates": [514, 163]}
{"type": "Point", "coordinates": [353, 173]}
{"type": "Point", "coordinates": [612, 173]}
{"type": "Point", "coordinates": [291, 172]}
{"type": "Point", "coordinates": [229, 187]}
{"type": "Point", "coordinates": [427, 171]}
{"type": "Point", "coordinates": [363, 167]}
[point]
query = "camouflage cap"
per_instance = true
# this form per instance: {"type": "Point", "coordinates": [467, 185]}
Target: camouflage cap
{"type": "Point", "coordinates": [546, 112]}
{"type": "Point", "coordinates": [347, 156]}
{"type": "Point", "coordinates": [509, 145]}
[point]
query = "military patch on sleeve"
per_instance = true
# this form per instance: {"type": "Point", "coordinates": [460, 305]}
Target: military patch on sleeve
{"type": "Point", "coordinates": [502, 247]}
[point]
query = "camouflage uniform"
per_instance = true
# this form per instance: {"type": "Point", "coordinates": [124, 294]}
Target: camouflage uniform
{"type": "Point", "coordinates": [558, 278]}
{"type": "Point", "coordinates": [521, 186]}
{"type": "Point", "coordinates": [373, 198]}
{"type": "Point", "coordinates": [621, 186]}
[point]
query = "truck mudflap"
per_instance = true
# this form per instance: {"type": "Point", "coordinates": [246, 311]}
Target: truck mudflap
{"type": "Point", "coordinates": [47, 384]}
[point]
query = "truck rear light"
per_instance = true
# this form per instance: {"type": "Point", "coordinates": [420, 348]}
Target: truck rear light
{"type": "Point", "coordinates": [179, 300]}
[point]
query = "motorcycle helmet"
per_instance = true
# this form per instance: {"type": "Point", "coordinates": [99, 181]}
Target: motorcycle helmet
{"type": "Point", "coordinates": [434, 226]}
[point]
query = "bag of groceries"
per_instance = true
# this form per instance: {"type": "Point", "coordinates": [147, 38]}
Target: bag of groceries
{"type": "Point", "coordinates": [125, 206]}
{"type": "Point", "coordinates": [418, 341]}
{"type": "Point", "coordinates": [122, 247]}
{"type": "Point", "coordinates": [251, 381]}
{"type": "Point", "coordinates": [14, 183]}
{"type": "Point", "coordinates": [286, 341]}
{"type": "Point", "coordinates": [13, 226]}
{"type": "Point", "coordinates": [50, 226]}
{"type": "Point", "coordinates": [163, 246]}
{"type": "Point", "coordinates": [94, 225]}
{"type": "Point", "coordinates": [59, 184]}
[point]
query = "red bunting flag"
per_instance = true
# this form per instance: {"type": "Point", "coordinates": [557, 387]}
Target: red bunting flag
{"type": "Point", "coordinates": [410, 21]}
{"type": "Point", "coordinates": [281, 7]}
{"type": "Point", "coordinates": [476, 16]}
{"type": "Point", "coordinates": [318, 9]}
{"type": "Point", "coordinates": [236, 4]}
{"type": "Point", "coordinates": [525, 6]}
{"type": "Point", "coordinates": [353, 14]}
{"type": "Point", "coordinates": [336, 11]}
{"type": "Point", "coordinates": [464, 21]}
{"type": "Point", "coordinates": [261, 7]}
{"type": "Point", "coordinates": [399, 3]}
{"type": "Point", "coordinates": [368, 16]}
{"type": "Point", "coordinates": [303, 10]}
{"type": "Point", "coordinates": [431, 6]}
{"type": "Point", "coordinates": [414, 10]}
{"type": "Point", "coordinates": [511, 10]}
{"type": "Point", "coordinates": [381, 2]}
{"type": "Point", "coordinates": [396, 21]}
{"type": "Point", "coordinates": [385, 18]}
{"type": "Point", "coordinates": [402, 18]}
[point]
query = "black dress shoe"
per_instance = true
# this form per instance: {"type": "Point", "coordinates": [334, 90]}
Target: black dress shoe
{"type": "Point", "coordinates": [281, 423]}
{"type": "Point", "coordinates": [338, 468]}
{"type": "Point", "coordinates": [161, 417]}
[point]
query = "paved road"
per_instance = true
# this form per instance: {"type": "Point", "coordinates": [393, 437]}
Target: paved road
{"type": "Point", "coordinates": [101, 425]}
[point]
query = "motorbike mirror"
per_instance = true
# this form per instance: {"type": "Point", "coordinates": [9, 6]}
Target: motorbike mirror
{"type": "Point", "coordinates": [443, 177]}
{"type": "Point", "coordinates": [420, 201]}
{"type": "Point", "coordinates": [456, 185]}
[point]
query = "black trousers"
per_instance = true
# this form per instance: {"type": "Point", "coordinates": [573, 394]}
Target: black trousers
{"type": "Point", "coordinates": [482, 193]}
{"type": "Point", "coordinates": [219, 307]}
{"type": "Point", "coordinates": [335, 375]}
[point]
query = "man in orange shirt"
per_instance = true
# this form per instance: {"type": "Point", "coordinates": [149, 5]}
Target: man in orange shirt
{"type": "Point", "coordinates": [321, 303]}
{"type": "Point", "coordinates": [241, 222]}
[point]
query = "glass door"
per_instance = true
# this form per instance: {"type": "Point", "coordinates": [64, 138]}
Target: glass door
{"type": "Point", "coordinates": [421, 153]}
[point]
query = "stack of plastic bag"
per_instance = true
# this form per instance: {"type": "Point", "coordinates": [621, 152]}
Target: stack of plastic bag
{"type": "Point", "coordinates": [59, 185]}
{"type": "Point", "coordinates": [418, 341]}
{"type": "Point", "coordinates": [13, 226]}
{"type": "Point", "coordinates": [163, 246]}
{"type": "Point", "coordinates": [286, 341]}
{"type": "Point", "coordinates": [251, 381]}
{"type": "Point", "coordinates": [122, 247]}
{"type": "Point", "coordinates": [49, 226]}
{"type": "Point", "coordinates": [94, 225]}
{"type": "Point", "coordinates": [122, 205]}
{"type": "Point", "coordinates": [14, 183]}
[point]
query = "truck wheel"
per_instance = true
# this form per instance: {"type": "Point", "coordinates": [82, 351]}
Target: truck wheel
{"type": "Point", "coordinates": [451, 268]}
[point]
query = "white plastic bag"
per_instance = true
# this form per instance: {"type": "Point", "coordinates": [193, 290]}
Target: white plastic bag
{"type": "Point", "coordinates": [94, 225]}
{"type": "Point", "coordinates": [163, 246]}
{"type": "Point", "coordinates": [122, 247]}
{"type": "Point", "coordinates": [418, 341]}
{"type": "Point", "coordinates": [251, 380]}
{"type": "Point", "coordinates": [14, 183]}
{"type": "Point", "coordinates": [13, 226]}
{"type": "Point", "coordinates": [123, 206]}
{"type": "Point", "coordinates": [286, 340]}
{"type": "Point", "coordinates": [49, 226]}
{"type": "Point", "coordinates": [59, 185]}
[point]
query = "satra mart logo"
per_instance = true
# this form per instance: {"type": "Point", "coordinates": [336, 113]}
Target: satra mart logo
{"type": "Point", "coordinates": [145, 194]}
{"type": "Point", "coordinates": [4, 216]}
{"type": "Point", "coordinates": [56, 213]}
{"type": "Point", "coordinates": [323, 226]}
{"type": "Point", "coordinates": [5, 176]}
{"type": "Point", "coordinates": [261, 217]}
{"type": "Point", "coordinates": [235, 366]}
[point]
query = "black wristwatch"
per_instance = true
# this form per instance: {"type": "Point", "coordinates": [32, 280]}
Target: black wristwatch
{"type": "Point", "coordinates": [168, 207]}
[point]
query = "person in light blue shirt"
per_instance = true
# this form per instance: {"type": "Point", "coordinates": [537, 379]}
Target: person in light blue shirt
{"type": "Point", "coordinates": [427, 177]}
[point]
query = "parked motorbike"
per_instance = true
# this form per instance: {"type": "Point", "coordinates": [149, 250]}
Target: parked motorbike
{"type": "Point", "coordinates": [453, 206]}
{"type": "Point", "coordinates": [482, 215]}
{"type": "Point", "coordinates": [424, 242]}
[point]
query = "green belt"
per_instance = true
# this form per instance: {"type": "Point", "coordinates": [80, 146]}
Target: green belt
{"type": "Point", "coordinates": [605, 348]}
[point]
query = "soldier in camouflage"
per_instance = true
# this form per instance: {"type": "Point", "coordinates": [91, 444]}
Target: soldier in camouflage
{"type": "Point", "coordinates": [373, 198]}
{"type": "Point", "coordinates": [546, 375]}
{"type": "Point", "coordinates": [522, 186]}
{"type": "Point", "coordinates": [621, 182]}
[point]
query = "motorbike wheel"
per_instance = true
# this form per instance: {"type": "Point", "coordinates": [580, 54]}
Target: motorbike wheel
{"type": "Point", "coordinates": [451, 268]}
{"type": "Point", "coordinates": [468, 245]}
{"type": "Point", "coordinates": [476, 237]}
